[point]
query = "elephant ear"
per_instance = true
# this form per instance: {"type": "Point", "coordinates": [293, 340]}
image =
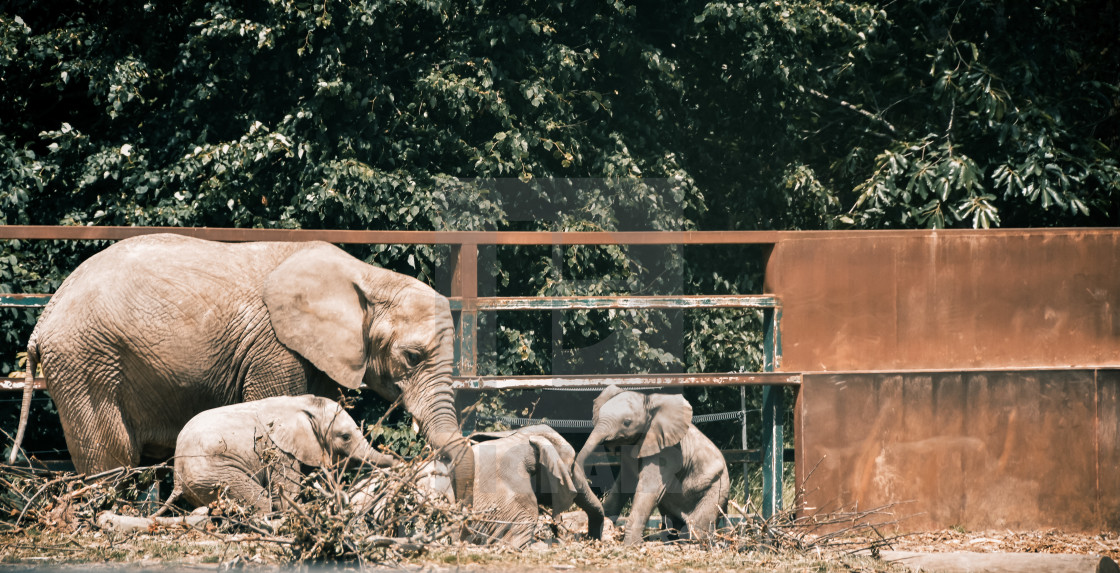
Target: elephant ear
{"type": "Point", "coordinates": [554, 474]}
{"type": "Point", "coordinates": [318, 311]}
{"type": "Point", "coordinates": [295, 434]}
{"type": "Point", "coordinates": [670, 418]}
{"type": "Point", "coordinates": [604, 397]}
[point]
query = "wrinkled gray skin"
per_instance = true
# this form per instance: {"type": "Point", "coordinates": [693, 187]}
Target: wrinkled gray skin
{"type": "Point", "coordinates": [157, 328]}
{"type": "Point", "coordinates": [518, 471]}
{"type": "Point", "coordinates": [667, 462]}
{"type": "Point", "coordinates": [254, 450]}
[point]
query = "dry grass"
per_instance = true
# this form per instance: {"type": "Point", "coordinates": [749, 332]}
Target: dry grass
{"type": "Point", "coordinates": [48, 517]}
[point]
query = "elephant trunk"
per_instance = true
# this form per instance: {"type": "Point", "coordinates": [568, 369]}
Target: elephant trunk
{"type": "Point", "coordinates": [593, 441]}
{"type": "Point", "coordinates": [457, 449]}
{"type": "Point", "coordinates": [366, 453]}
{"type": "Point", "coordinates": [440, 426]}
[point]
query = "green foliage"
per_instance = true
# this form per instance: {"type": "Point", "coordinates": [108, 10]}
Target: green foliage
{"type": "Point", "coordinates": [923, 114]}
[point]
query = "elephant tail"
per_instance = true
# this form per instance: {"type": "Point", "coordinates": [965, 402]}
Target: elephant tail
{"type": "Point", "coordinates": [28, 390]}
{"type": "Point", "coordinates": [175, 493]}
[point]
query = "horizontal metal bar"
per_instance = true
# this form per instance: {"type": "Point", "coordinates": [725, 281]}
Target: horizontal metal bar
{"type": "Point", "coordinates": [400, 237]}
{"type": "Point", "coordinates": [51, 232]}
{"type": "Point", "coordinates": [585, 423]}
{"type": "Point", "coordinates": [592, 381]}
{"type": "Point", "coordinates": [601, 458]}
{"type": "Point", "coordinates": [620, 301]}
{"type": "Point", "coordinates": [24, 300]}
{"type": "Point", "coordinates": [536, 303]}
{"type": "Point", "coordinates": [19, 383]}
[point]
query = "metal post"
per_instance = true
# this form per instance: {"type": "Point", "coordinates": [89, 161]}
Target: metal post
{"type": "Point", "coordinates": [555, 362]}
{"type": "Point", "coordinates": [464, 283]}
{"type": "Point", "coordinates": [773, 439]}
{"type": "Point", "coordinates": [743, 432]}
{"type": "Point", "coordinates": [773, 450]}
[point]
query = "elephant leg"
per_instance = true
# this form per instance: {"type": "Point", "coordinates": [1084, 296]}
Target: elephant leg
{"type": "Point", "coordinates": [702, 521]}
{"type": "Point", "coordinates": [672, 522]}
{"type": "Point", "coordinates": [96, 434]}
{"type": "Point", "coordinates": [282, 375]}
{"type": "Point", "coordinates": [285, 479]}
{"type": "Point", "coordinates": [650, 490]}
{"type": "Point", "coordinates": [246, 490]}
{"type": "Point", "coordinates": [704, 518]}
{"type": "Point", "coordinates": [621, 490]}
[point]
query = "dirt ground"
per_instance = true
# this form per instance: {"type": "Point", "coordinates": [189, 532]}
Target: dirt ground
{"type": "Point", "coordinates": [1106, 544]}
{"type": "Point", "coordinates": [195, 550]}
{"type": "Point", "coordinates": [54, 521]}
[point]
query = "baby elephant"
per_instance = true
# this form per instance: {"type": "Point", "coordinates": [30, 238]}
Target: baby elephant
{"type": "Point", "coordinates": [519, 470]}
{"type": "Point", "coordinates": [667, 462]}
{"type": "Point", "coordinates": [255, 449]}
{"type": "Point", "coordinates": [515, 473]}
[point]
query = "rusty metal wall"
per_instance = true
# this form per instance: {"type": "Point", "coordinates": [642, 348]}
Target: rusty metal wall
{"type": "Point", "coordinates": [948, 300]}
{"type": "Point", "coordinates": [1020, 450]}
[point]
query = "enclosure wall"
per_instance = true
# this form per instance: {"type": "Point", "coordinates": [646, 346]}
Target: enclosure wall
{"type": "Point", "coordinates": [948, 300]}
{"type": "Point", "coordinates": [1020, 450]}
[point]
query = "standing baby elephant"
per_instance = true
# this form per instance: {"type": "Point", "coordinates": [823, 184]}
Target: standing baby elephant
{"type": "Point", "coordinates": [667, 462]}
{"type": "Point", "coordinates": [255, 449]}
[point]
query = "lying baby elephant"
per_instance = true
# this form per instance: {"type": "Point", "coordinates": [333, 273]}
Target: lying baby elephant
{"type": "Point", "coordinates": [667, 462]}
{"type": "Point", "coordinates": [516, 472]}
{"type": "Point", "coordinates": [255, 449]}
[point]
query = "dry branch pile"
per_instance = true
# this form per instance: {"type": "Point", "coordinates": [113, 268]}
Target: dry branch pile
{"type": "Point", "coordinates": [394, 518]}
{"type": "Point", "coordinates": [60, 501]}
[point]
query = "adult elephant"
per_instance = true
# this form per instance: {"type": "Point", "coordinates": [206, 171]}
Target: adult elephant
{"type": "Point", "coordinates": [157, 328]}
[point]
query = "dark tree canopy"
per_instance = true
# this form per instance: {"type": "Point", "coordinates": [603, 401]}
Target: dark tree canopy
{"type": "Point", "coordinates": [561, 115]}
{"type": "Point", "coordinates": [366, 114]}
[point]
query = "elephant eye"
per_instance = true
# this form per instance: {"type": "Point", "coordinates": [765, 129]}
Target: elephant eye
{"type": "Point", "coordinates": [626, 422]}
{"type": "Point", "coordinates": [413, 357]}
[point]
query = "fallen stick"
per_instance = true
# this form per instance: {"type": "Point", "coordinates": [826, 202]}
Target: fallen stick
{"type": "Point", "coordinates": [126, 524]}
{"type": "Point", "coordinates": [403, 543]}
{"type": "Point", "coordinates": [960, 562]}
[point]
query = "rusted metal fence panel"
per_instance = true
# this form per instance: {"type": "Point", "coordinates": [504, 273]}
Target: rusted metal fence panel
{"type": "Point", "coordinates": [1108, 447]}
{"type": "Point", "coordinates": [1015, 449]}
{"type": "Point", "coordinates": [949, 300]}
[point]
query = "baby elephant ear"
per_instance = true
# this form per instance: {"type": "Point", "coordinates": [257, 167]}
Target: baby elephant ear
{"type": "Point", "coordinates": [604, 397]}
{"type": "Point", "coordinates": [554, 473]}
{"type": "Point", "coordinates": [670, 418]}
{"type": "Point", "coordinates": [296, 434]}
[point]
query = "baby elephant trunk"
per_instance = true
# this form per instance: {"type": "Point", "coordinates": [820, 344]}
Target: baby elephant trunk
{"type": "Point", "coordinates": [367, 454]}
{"type": "Point", "coordinates": [593, 441]}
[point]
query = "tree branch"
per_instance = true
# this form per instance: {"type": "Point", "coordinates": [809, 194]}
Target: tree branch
{"type": "Point", "coordinates": [856, 109]}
